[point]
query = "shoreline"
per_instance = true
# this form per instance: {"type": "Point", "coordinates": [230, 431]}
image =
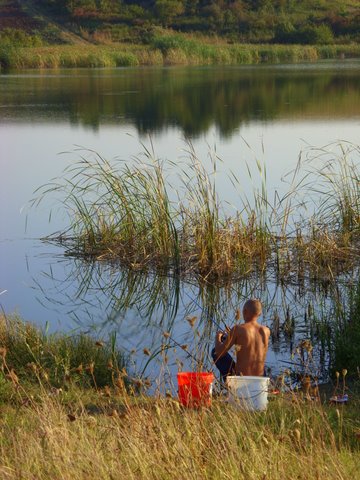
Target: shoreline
{"type": "Point", "coordinates": [187, 54]}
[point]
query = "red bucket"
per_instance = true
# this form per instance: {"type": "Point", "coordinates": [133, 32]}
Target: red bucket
{"type": "Point", "coordinates": [195, 388]}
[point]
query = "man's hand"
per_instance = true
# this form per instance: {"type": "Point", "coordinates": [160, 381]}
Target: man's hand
{"type": "Point", "coordinates": [224, 340]}
{"type": "Point", "coordinates": [220, 336]}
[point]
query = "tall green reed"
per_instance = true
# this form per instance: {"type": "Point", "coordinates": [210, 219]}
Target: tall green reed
{"type": "Point", "coordinates": [133, 211]}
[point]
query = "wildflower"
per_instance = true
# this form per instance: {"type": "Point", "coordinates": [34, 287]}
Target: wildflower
{"type": "Point", "coordinates": [265, 440]}
{"type": "Point", "coordinates": [79, 369]}
{"type": "Point", "coordinates": [137, 382]}
{"type": "Point", "coordinates": [191, 320]}
{"type": "Point", "coordinates": [90, 368]}
{"type": "Point", "coordinates": [297, 434]}
{"type": "Point", "coordinates": [107, 391]}
{"type": "Point", "coordinates": [146, 352]}
{"type": "Point", "coordinates": [13, 377]}
{"type": "Point", "coordinates": [184, 347]}
{"type": "Point", "coordinates": [32, 366]}
{"type": "Point", "coordinates": [119, 384]}
{"type": "Point", "coordinates": [56, 391]}
{"type": "Point", "coordinates": [99, 343]}
{"type": "Point", "coordinates": [337, 374]}
{"type": "Point", "coordinates": [237, 315]}
{"type": "Point", "coordinates": [166, 334]}
{"type": "Point", "coordinates": [344, 372]}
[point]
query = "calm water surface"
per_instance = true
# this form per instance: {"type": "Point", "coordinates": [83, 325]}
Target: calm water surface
{"type": "Point", "coordinates": [269, 113]}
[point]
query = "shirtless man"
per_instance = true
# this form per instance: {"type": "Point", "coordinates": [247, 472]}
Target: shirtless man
{"type": "Point", "coordinates": [251, 342]}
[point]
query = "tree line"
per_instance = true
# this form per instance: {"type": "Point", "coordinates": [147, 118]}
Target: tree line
{"type": "Point", "coordinates": [280, 21]}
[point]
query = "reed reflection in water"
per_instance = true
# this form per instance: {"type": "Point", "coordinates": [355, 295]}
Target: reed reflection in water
{"type": "Point", "coordinates": [164, 324]}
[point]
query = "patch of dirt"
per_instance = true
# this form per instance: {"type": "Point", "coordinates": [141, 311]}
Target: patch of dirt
{"type": "Point", "coordinates": [28, 16]}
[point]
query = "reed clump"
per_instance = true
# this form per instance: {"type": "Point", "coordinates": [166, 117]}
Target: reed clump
{"type": "Point", "coordinates": [164, 50]}
{"type": "Point", "coordinates": [131, 212]}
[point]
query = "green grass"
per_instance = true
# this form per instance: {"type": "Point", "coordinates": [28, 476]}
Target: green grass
{"type": "Point", "coordinates": [54, 360]}
{"type": "Point", "coordinates": [164, 51]}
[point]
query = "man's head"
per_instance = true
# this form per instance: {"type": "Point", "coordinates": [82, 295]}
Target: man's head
{"type": "Point", "coordinates": [252, 309]}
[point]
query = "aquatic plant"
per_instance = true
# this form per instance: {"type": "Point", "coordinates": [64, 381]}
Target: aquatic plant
{"type": "Point", "coordinates": [182, 52]}
{"type": "Point", "coordinates": [125, 211]}
{"type": "Point", "coordinates": [130, 211]}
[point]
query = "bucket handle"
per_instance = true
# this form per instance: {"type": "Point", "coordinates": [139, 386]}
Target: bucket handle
{"type": "Point", "coordinates": [251, 397]}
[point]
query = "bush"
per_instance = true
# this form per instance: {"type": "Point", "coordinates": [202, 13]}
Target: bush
{"type": "Point", "coordinates": [306, 35]}
{"type": "Point", "coordinates": [19, 38]}
{"type": "Point", "coordinates": [316, 35]}
{"type": "Point", "coordinates": [285, 32]}
{"type": "Point", "coordinates": [172, 42]}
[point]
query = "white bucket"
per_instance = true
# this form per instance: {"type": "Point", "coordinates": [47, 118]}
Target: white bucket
{"type": "Point", "coordinates": [249, 393]}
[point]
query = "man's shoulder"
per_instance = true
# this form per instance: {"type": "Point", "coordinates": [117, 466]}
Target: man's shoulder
{"type": "Point", "coordinates": [265, 329]}
{"type": "Point", "coordinates": [244, 328]}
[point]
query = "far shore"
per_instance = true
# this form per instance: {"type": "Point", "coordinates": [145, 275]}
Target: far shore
{"type": "Point", "coordinates": [189, 53]}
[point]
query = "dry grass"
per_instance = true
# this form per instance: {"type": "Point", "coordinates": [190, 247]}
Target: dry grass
{"type": "Point", "coordinates": [156, 439]}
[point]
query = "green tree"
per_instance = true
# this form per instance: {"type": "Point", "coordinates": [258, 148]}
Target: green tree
{"type": "Point", "coordinates": [73, 5]}
{"type": "Point", "coordinates": [167, 10]}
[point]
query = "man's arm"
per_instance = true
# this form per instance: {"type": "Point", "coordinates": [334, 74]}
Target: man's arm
{"type": "Point", "coordinates": [222, 347]}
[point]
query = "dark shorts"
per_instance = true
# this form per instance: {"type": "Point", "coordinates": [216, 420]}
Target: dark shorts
{"type": "Point", "coordinates": [225, 364]}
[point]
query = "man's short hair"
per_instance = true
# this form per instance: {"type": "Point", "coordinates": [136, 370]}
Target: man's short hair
{"type": "Point", "coordinates": [253, 306]}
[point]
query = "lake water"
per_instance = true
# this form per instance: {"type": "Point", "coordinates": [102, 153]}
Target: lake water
{"type": "Point", "coordinates": [269, 113]}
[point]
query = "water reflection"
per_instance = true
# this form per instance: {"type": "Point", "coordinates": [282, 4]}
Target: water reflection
{"type": "Point", "coordinates": [175, 321]}
{"type": "Point", "coordinates": [191, 99]}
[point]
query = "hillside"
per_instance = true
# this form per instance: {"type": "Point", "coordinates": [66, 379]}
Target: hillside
{"type": "Point", "coordinates": [246, 21]}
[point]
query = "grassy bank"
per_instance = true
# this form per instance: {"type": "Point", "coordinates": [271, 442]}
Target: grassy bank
{"type": "Point", "coordinates": [33, 357]}
{"type": "Point", "coordinates": [58, 423]}
{"type": "Point", "coordinates": [172, 50]}
{"type": "Point", "coordinates": [140, 439]}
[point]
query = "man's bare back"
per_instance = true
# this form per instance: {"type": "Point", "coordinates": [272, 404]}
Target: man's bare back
{"type": "Point", "coordinates": [250, 340]}
{"type": "Point", "coordinates": [251, 344]}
